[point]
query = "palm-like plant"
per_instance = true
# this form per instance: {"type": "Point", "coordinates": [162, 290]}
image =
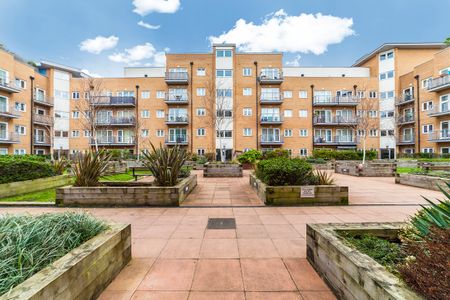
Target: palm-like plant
{"type": "Point", "coordinates": [90, 167]}
{"type": "Point", "coordinates": [165, 164]}
{"type": "Point", "coordinates": [60, 165]}
{"type": "Point", "coordinates": [324, 178]}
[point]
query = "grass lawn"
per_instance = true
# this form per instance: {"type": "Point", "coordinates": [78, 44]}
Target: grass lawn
{"type": "Point", "coordinates": [48, 195]}
{"type": "Point", "coordinates": [405, 170]}
{"type": "Point", "coordinates": [124, 176]}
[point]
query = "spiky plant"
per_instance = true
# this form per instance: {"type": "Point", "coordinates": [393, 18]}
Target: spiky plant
{"type": "Point", "coordinates": [165, 164]}
{"type": "Point", "coordinates": [60, 165]}
{"type": "Point", "coordinates": [324, 178]}
{"type": "Point", "coordinates": [89, 167]}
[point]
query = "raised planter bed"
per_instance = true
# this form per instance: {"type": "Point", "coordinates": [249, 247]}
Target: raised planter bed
{"type": "Point", "coordinates": [348, 272]}
{"type": "Point", "coordinates": [222, 170]}
{"type": "Point", "coordinates": [421, 181]}
{"type": "Point", "coordinates": [84, 272]}
{"type": "Point", "coordinates": [30, 186]}
{"type": "Point", "coordinates": [300, 195]}
{"type": "Point", "coordinates": [369, 169]}
{"type": "Point", "coordinates": [126, 194]}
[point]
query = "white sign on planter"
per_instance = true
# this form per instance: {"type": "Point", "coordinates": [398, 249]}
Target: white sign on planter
{"type": "Point", "coordinates": [307, 192]}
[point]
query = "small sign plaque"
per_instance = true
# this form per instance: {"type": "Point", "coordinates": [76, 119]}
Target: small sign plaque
{"type": "Point", "coordinates": [307, 192]}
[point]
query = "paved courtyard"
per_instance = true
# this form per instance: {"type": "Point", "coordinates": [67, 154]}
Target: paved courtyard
{"type": "Point", "coordinates": [176, 257]}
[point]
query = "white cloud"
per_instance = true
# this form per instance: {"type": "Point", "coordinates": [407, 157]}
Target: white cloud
{"type": "Point", "coordinates": [87, 72]}
{"type": "Point", "coordinates": [99, 44]}
{"type": "Point", "coordinates": [148, 26]}
{"type": "Point", "coordinates": [305, 33]}
{"type": "Point", "coordinates": [133, 56]}
{"type": "Point", "coordinates": [144, 7]}
{"type": "Point", "coordinates": [295, 62]}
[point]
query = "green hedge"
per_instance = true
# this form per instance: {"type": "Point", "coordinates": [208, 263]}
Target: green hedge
{"type": "Point", "coordinates": [343, 154]}
{"type": "Point", "coordinates": [19, 168]}
{"type": "Point", "coordinates": [24, 157]}
{"type": "Point", "coordinates": [250, 157]}
{"type": "Point", "coordinates": [285, 171]}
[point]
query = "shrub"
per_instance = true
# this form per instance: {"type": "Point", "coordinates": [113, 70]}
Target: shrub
{"type": "Point", "coordinates": [319, 161]}
{"type": "Point", "coordinates": [276, 153]}
{"type": "Point", "coordinates": [23, 168]}
{"type": "Point", "coordinates": [324, 178]}
{"type": "Point", "coordinates": [285, 171]}
{"type": "Point", "coordinates": [249, 157]}
{"type": "Point", "coordinates": [343, 154]}
{"type": "Point", "coordinates": [185, 171]}
{"type": "Point", "coordinates": [201, 160]}
{"type": "Point", "coordinates": [60, 165]}
{"type": "Point", "coordinates": [165, 164]}
{"type": "Point", "coordinates": [210, 156]}
{"type": "Point", "coordinates": [89, 167]}
{"type": "Point", "coordinates": [25, 157]}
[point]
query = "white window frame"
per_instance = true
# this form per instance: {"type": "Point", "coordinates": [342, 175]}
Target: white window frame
{"type": "Point", "coordinates": [200, 112]}
{"type": "Point", "coordinates": [201, 131]}
{"type": "Point", "coordinates": [201, 72]}
{"type": "Point", "coordinates": [247, 112]}
{"type": "Point", "coordinates": [145, 94]}
{"type": "Point", "coordinates": [247, 91]}
{"type": "Point", "coordinates": [302, 94]}
{"type": "Point", "coordinates": [247, 132]}
{"type": "Point", "coordinates": [246, 72]}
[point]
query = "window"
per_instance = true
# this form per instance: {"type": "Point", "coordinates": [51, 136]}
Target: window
{"type": "Point", "coordinates": [21, 84]}
{"type": "Point", "coordinates": [160, 94]}
{"type": "Point", "coordinates": [145, 94]}
{"type": "Point", "coordinates": [224, 92]}
{"type": "Point", "coordinates": [224, 113]}
{"type": "Point", "coordinates": [224, 53]}
{"type": "Point", "coordinates": [145, 114]}
{"type": "Point", "coordinates": [247, 72]}
{"type": "Point", "coordinates": [3, 151]}
{"type": "Point", "coordinates": [20, 151]}
{"type": "Point", "coordinates": [303, 94]}
{"type": "Point", "coordinates": [19, 129]}
{"type": "Point", "coordinates": [388, 55]}
{"type": "Point", "coordinates": [75, 95]}
{"type": "Point", "coordinates": [445, 150]}
{"type": "Point", "coordinates": [288, 132]}
{"type": "Point", "coordinates": [201, 72]}
{"type": "Point", "coordinates": [201, 92]}
{"type": "Point", "coordinates": [427, 128]}
{"type": "Point", "coordinates": [19, 106]}
{"type": "Point", "coordinates": [373, 132]}
{"type": "Point", "coordinates": [224, 73]}
{"type": "Point", "coordinates": [427, 150]}
{"type": "Point", "coordinates": [427, 106]}
{"type": "Point", "coordinates": [247, 112]}
{"type": "Point", "coordinates": [303, 113]}
{"type": "Point", "coordinates": [386, 75]}
{"type": "Point", "coordinates": [386, 114]}
{"type": "Point", "coordinates": [75, 133]}
{"type": "Point", "coordinates": [125, 93]}
{"type": "Point", "coordinates": [201, 112]}
{"type": "Point", "coordinates": [360, 94]}
{"type": "Point", "coordinates": [303, 132]}
{"type": "Point", "coordinates": [201, 132]}
{"type": "Point", "coordinates": [426, 82]}
{"type": "Point", "coordinates": [248, 132]}
{"type": "Point", "coordinates": [160, 132]}
{"type": "Point", "coordinates": [445, 71]}
{"type": "Point", "coordinates": [373, 113]}
{"type": "Point", "coordinates": [247, 91]}
{"type": "Point", "coordinates": [288, 113]}
{"type": "Point", "coordinates": [160, 113]}
{"type": "Point", "coordinates": [224, 133]}
{"type": "Point", "coordinates": [201, 151]}
{"type": "Point", "coordinates": [87, 133]}
{"type": "Point", "coordinates": [287, 94]}
{"type": "Point", "coordinates": [144, 132]}
{"type": "Point", "coordinates": [372, 94]}
{"type": "Point", "coordinates": [303, 152]}
{"type": "Point", "coordinates": [387, 132]}
{"type": "Point", "coordinates": [75, 114]}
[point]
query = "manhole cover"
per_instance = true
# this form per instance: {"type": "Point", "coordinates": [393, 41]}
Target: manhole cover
{"type": "Point", "coordinates": [221, 223]}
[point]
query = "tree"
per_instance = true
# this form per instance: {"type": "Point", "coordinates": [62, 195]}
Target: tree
{"type": "Point", "coordinates": [447, 41]}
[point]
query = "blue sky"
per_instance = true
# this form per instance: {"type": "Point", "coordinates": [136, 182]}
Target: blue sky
{"type": "Point", "coordinates": [329, 33]}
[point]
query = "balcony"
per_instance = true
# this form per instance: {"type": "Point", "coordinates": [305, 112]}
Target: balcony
{"type": "Point", "coordinates": [405, 99]}
{"type": "Point", "coordinates": [116, 121]}
{"type": "Point", "coordinates": [406, 119]}
{"type": "Point", "coordinates": [44, 120]}
{"type": "Point", "coordinates": [177, 78]}
{"type": "Point", "coordinates": [406, 140]}
{"type": "Point", "coordinates": [46, 101]}
{"type": "Point", "coordinates": [272, 76]}
{"type": "Point", "coordinates": [177, 119]}
{"type": "Point", "coordinates": [6, 112]}
{"type": "Point", "coordinates": [272, 140]}
{"type": "Point", "coordinates": [335, 141]}
{"type": "Point", "coordinates": [176, 99]}
{"type": "Point", "coordinates": [177, 139]}
{"type": "Point", "coordinates": [271, 98]}
{"type": "Point", "coordinates": [122, 101]}
{"type": "Point", "coordinates": [439, 84]}
{"type": "Point", "coordinates": [8, 86]}
{"type": "Point", "coordinates": [42, 140]}
{"type": "Point", "coordinates": [271, 119]}
{"type": "Point", "coordinates": [9, 138]}
{"type": "Point", "coordinates": [113, 141]}
{"type": "Point", "coordinates": [437, 111]}
{"type": "Point", "coordinates": [440, 136]}
{"type": "Point", "coordinates": [335, 101]}
{"type": "Point", "coordinates": [336, 120]}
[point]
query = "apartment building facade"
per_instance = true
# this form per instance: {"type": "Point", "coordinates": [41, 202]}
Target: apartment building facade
{"type": "Point", "coordinates": [226, 102]}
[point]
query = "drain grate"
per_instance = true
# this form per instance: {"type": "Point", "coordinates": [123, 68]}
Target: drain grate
{"type": "Point", "coordinates": [221, 223]}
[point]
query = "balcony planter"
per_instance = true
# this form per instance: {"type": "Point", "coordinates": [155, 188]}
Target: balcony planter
{"type": "Point", "coordinates": [421, 181]}
{"type": "Point", "coordinates": [300, 195]}
{"type": "Point", "coordinates": [369, 169]}
{"type": "Point", "coordinates": [222, 170]}
{"type": "Point", "coordinates": [348, 272]}
{"type": "Point", "coordinates": [130, 193]}
{"type": "Point", "coordinates": [84, 272]}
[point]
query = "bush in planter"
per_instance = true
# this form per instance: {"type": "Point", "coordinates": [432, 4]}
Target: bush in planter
{"type": "Point", "coordinates": [60, 165]}
{"type": "Point", "coordinates": [18, 168]}
{"type": "Point", "coordinates": [343, 154]}
{"type": "Point", "coordinates": [250, 157]}
{"type": "Point", "coordinates": [201, 160]}
{"type": "Point", "coordinates": [285, 171]}
{"type": "Point", "coordinates": [89, 167]}
{"type": "Point", "coordinates": [276, 153]}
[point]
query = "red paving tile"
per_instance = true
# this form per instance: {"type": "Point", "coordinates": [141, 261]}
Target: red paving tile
{"type": "Point", "coordinates": [266, 275]}
{"type": "Point", "coordinates": [218, 275]}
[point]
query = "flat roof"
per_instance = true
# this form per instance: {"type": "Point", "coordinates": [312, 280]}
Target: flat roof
{"type": "Point", "coordinates": [75, 71]}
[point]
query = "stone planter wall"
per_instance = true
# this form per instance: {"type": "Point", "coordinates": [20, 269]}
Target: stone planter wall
{"type": "Point", "coordinates": [30, 186]}
{"type": "Point", "coordinates": [222, 170]}
{"type": "Point", "coordinates": [349, 273]}
{"type": "Point", "coordinates": [369, 169]}
{"type": "Point", "coordinates": [298, 195]}
{"type": "Point", "coordinates": [84, 272]}
{"type": "Point", "coordinates": [421, 181]}
{"type": "Point", "coordinates": [126, 195]}
{"type": "Point", "coordinates": [116, 167]}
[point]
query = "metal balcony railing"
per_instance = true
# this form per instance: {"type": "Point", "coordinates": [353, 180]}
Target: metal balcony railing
{"type": "Point", "coordinates": [177, 119]}
{"type": "Point", "coordinates": [43, 119]}
{"type": "Point", "coordinates": [406, 119]}
{"type": "Point", "coordinates": [440, 110]}
{"type": "Point", "coordinates": [336, 101]}
{"type": "Point", "coordinates": [275, 139]}
{"type": "Point", "coordinates": [9, 137]}
{"type": "Point", "coordinates": [42, 140]}
{"type": "Point", "coordinates": [405, 99]}
{"type": "Point", "coordinates": [114, 100]}
{"type": "Point", "coordinates": [8, 86]}
{"type": "Point", "coordinates": [113, 140]}
{"type": "Point", "coordinates": [439, 136]}
{"type": "Point", "coordinates": [177, 139]}
{"type": "Point", "coordinates": [43, 100]}
{"type": "Point", "coordinates": [271, 76]}
{"type": "Point", "coordinates": [439, 83]}
{"type": "Point", "coordinates": [407, 139]}
{"type": "Point", "coordinates": [177, 78]}
{"type": "Point", "coordinates": [271, 119]}
{"type": "Point", "coordinates": [176, 98]}
{"type": "Point", "coordinates": [335, 140]}
{"type": "Point", "coordinates": [8, 112]}
{"type": "Point", "coordinates": [336, 120]}
{"type": "Point", "coordinates": [116, 121]}
{"type": "Point", "coordinates": [271, 98]}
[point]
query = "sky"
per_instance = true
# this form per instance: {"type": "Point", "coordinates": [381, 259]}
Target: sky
{"type": "Point", "coordinates": [103, 36]}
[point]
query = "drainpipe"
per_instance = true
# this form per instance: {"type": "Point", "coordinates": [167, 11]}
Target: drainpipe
{"type": "Point", "coordinates": [256, 105]}
{"type": "Point", "coordinates": [312, 115]}
{"type": "Point", "coordinates": [32, 117]}
{"type": "Point", "coordinates": [136, 134]}
{"type": "Point", "coordinates": [192, 110]}
{"type": "Point", "coordinates": [418, 112]}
